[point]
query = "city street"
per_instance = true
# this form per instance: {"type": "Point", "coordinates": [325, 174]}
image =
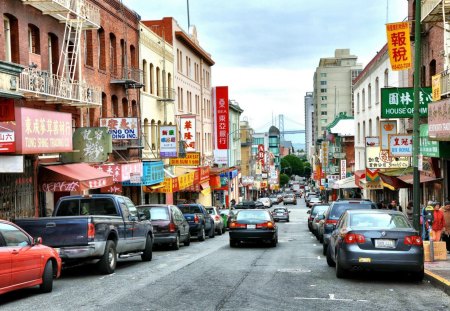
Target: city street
{"type": "Point", "coordinates": [212, 276]}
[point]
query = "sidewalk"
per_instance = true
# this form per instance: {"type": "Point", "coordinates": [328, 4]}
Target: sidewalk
{"type": "Point", "coordinates": [438, 273]}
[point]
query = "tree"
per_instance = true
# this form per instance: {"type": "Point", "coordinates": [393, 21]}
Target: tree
{"type": "Point", "coordinates": [307, 169]}
{"type": "Point", "coordinates": [285, 167]}
{"type": "Point", "coordinates": [295, 164]}
{"type": "Point", "coordinates": [284, 179]}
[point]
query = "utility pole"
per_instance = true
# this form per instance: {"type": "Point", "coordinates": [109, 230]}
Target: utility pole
{"type": "Point", "coordinates": [416, 131]}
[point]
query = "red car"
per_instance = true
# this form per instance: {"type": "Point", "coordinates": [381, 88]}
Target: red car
{"type": "Point", "coordinates": [24, 261]}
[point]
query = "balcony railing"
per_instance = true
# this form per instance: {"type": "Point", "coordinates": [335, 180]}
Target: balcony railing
{"type": "Point", "coordinates": [41, 85]}
{"type": "Point", "coordinates": [166, 94]}
{"type": "Point", "coordinates": [58, 9]}
{"type": "Point", "coordinates": [127, 75]}
{"type": "Point", "coordinates": [127, 144]}
{"type": "Point", "coordinates": [431, 10]}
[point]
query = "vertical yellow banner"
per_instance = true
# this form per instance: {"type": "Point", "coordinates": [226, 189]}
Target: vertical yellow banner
{"type": "Point", "coordinates": [436, 87]}
{"type": "Point", "coordinates": [399, 45]}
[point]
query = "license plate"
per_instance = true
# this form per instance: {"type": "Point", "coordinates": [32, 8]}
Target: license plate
{"type": "Point", "coordinates": [361, 259]}
{"type": "Point", "coordinates": [251, 226]}
{"type": "Point", "coordinates": [280, 214]}
{"type": "Point", "coordinates": [382, 243]}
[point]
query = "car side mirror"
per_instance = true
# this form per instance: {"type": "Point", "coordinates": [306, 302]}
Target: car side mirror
{"type": "Point", "coordinates": [37, 241]}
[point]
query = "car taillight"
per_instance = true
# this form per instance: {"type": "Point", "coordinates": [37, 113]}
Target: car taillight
{"type": "Point", "coordinates": [172, 227]}
{"type": "Point", "coordinates": [268, 225]}
{"type": "Point", "coordinates": [352, 238]}
{"type": "Point", "coordinates": [91, 231]}
{"type": "Point", "coordinates": [331, 222]}
{"type": "Point", "coordinates": [196, 219]}
{"type": "Point", "coordinates": [413, 240]}
{"type": "Point", "coordinates": [317, 220]}
{"type": "Point", "coordinates": [237, 225]}
{"type": "Point", "coordinates": [217, 217]}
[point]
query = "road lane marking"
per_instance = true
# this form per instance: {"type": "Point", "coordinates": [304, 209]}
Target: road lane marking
{"type": "Point", "coordinates": [331, 297]}
{"type": "Point", "coordinates": [293, 270]}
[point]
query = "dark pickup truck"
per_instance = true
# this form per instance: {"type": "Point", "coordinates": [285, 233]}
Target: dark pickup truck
{"type": "Point", "coordinates": [199, 220]}
{"type": "Point", "coordinates": [98, 227]}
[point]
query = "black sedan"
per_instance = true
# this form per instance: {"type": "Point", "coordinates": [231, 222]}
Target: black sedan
{"type": "Point", "coordinates": [381, 240]}
{"type": "Point", "coordinates": [253, 225]}
{"type": "Point", "coordinates": [169, 225]}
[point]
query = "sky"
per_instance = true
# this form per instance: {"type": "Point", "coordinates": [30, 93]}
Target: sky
{"type": "Point", "coordinates": [266, 51]}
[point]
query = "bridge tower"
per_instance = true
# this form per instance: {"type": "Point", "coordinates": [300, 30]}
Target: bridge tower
{"type": "Point", "coordinates": [281, 126]}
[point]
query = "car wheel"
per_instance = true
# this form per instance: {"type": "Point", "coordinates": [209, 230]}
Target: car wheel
{"type": "Point", "coordinates": [212, 232]}
{"type": "Point", "coordinates": [147, 254]}
{"type": "Point", "coordinates": [321, 239]}
{"type": "Point", "coordinates": [219, 232]}
{"type": "Point", "coordinates": [47, 278]}
{"type": "Point", "coordinates": [176, 244]}
{"type": "Point", "coordinates": [187, 242]}
{"type": "Point", "coordinates": [108, 261]}
{"type": "Point", "coordinates": [224, 229]}
{"type": "Point", "coordinates": [341, 273]}
{"type": "Point", "coordinates": [202, 234]}
{"type": "Point", "coordinates": [324, 249]}
{"type": "Point", "coordinates": [287, 220]}
{"type": "Point", "coordinates": [417, 276]}
{"type": "Point", "coordinates": [330, 260]}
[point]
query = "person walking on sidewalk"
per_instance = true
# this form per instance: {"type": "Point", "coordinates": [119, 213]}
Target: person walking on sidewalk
{"type": "Point", "coordinates": [438, 222]}
{"type": "Point", "coordinates": [446, 233]}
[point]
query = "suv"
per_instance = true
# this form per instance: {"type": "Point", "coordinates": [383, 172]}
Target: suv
{"type": "Point", "coordinates": [337, 208]}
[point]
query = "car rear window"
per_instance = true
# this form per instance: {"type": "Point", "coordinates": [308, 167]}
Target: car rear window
{"type": "Point", "coordinates": [252, 215]}
{"type": "Point", "coordinates": [280, 210]}
{"type": "Point", "coordinates": [94, 206]}
{"type": "Point", "coordinates": [382, 221]}
{"type": "Point", "coordinates": [189, 209]}
{"type": "Point", "coordinates": [339, 208]}
{"type": "Point", "coordinates": [159, 213]}
{"type": "Point", "coordinates": [319, 209]}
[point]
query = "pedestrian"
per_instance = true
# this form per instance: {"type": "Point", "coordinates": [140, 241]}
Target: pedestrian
{"type": "Point", "coordinates": [446, 233]}
{"type": "Point", "coordinates": [409, 211]}
{"type": "Point", "coordinates": [426, 219]}
{"type": "Point", "coordinates": [438, 222]}
{"type": "Point", "coordinates": [394, 206]}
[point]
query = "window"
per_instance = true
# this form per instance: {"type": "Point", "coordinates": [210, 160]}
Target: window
{"type": "Point", "coordinates": [357, 103]}
{"type": "Point", "coordinates": [7, 38]}
{"type": "Point", "coordinates": [152, 79]}
{"type": "Point", "coordinates": [323, 90]}
{"type": "Point", "coordinates": [33, 39]}
{"type": "Point", "coordinates": [124, 107]}
{"type": "Point", "coordinates": [158, 81]}
{"type": "Point", "coordinates": [386, 78]}
{"type": "Point", "coordinates": [112, 53]}
{"type": "Point", "coordinates": [377, 91]}
{"type": "Point", "coordinates": [323, 121]}
{"type": "Point", "coordinates": [359, 132]}
{"type": "Point", "coordinates": [323, 97]}
{"type": "Point", "coordinates": [133, 56]}
{"type": "Point", "coordinates": [88, 45]}
{"type": "Point", "coordinates": [123, 57]}
{"type": "Point", "coordinates": [115, 106]}
{"type": "Point", "coordinates": [144, 74]}
{"type": "Point", "coordinates": [369, 96]}
{"type": "Point", "coordinates": [370, 127]}
{"type": "Point", "coordinates": [101, 49]}
{"type": "Point", "coordinates": [13, 236]}
{"type": "Point", "coordinates": [363, 106]}
{"type": "Point", "coordinates": [323, 74]}
{"type": "Point", "coordinates": [323, 82]}
{"type": "Point", "coordinates": [53, 54]}
{"type": "Point", "coordinates": [323, 113]}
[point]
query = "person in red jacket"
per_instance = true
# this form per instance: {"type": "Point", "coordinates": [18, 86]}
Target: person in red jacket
{"type": "Point", "coordinates": [438, 223]}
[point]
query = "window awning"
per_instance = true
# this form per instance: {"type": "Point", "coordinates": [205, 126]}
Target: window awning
{"type": "Point", "coordinates": [347, 183]}
{"type": "Point", "coordinates": [72, 177]}
{"type": "Point", "coordinates": [409, 178]}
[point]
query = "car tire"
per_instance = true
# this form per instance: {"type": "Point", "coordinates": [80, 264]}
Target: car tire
{"type": "Point", "coordinates": [417, 276]}
{"type": "Point", "coordinates": [224, 230]}
{"type": "Point", "coordinates": [201, 234]}
{"type": "Point", "coordinates": [330, 261]}
{"type": "Point", "coordinates": [321, 239]}
{"type": "Point", "coordinates": [324, 249]}
{"type": "Point", "coordinates": [287, 220]}
{"type": "Point", "coordinates": [219, 232]}
{"type": "Point", "coordinates": [147, 254]}
{"type": "Point", "coordinates": [176, 244]}
{"type": "Point", "coordinates": [187, 242]}
{"type": "Point", "coordinates": [108, 261]}
{"type": "Point", "coordinates": [47, 278]}
{"type": "Point", "coordinates": [341, 273]}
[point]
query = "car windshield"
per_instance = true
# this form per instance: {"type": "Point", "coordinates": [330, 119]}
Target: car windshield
{"type": "Point", "coordinates": [339, 208]}
{"type": "Point", "coordinates": [282, 210]}
{"type": "Point", "coordinates": [375, 220]}
{"type": "Point", "coordinates": [211, 211]}
{"type": "Point", "coordinates": [319, 209]}
{"type": "Point", "coordinates": [159, 213]}
{"type": "Point", "coordinates": [252, 215]}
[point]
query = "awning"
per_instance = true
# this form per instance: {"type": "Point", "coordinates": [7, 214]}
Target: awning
{"type": "Point", "coordinates": [347, 183]}
{"type": "Point", "coordinates": [359, 175]}
{"type": "Point", "coordinates": [72, 177]}
{"type": "Point", "coordinates": [391, 178]}
{"type": "Point", "coordinates": [205, 185]}
{"type": "Point", "coordinates": [409, 178]}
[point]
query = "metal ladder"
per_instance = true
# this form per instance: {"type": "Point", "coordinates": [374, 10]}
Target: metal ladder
{"type": "Point", "coordinates": [70, 48]}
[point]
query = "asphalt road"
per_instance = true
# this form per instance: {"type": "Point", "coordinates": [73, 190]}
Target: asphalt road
{"type": "Point", "coordinates": [212, 276]}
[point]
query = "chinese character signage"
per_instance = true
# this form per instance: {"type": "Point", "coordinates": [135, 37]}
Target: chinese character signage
{"type": "Point", "coordinates": [188, 132]}
{"type": "Point", "coordinates": [168, 141]}
{"type": "Point", "coordinates": [191, 159]}
{"type": "Point", "coordinates": [92, 145]}
{"type": "Point", "coordinates": [377, 158]}
{"type": "Point", "coordinates": [261, 154]}
{"type": "Point", "coordinates": [7, 140]}
{"type": "Point", "coordinates": [439, 120]}
{"type": "Point", "coordinates": [428, 147]}
{"type": "Point", "coordinates": [399, 45]}
{"type": "Point", "coordinates": [399, 102]}
{"type": "Point", "coordinates": [221, 114]}
{"type": "Point", "coordinates": [387, 127]}
{"type": "Point", "coordinates": [121, 128]}
{"type": "Point", "coordinates": [343, 169]}
{"type": "Point", "coordinates": [325, 145]}
{"type": "Point", "coordinates": [436, 87]}
{"type": "Point", "coordinates": [400, 145]}
{"type": "Point", "coordinates": [40, 131]}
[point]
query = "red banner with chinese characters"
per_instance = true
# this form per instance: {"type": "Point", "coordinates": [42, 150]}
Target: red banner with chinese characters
{"type": "Point", "coordinates": [221, 105]}
{"type": "Point", "coordinates": [188, 132]}
{"type": "Point", "coordinates": [399, 45]}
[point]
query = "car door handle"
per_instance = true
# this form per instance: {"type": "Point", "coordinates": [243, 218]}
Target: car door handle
{"type": "Point", "coordinates": [14, 252]}
{"type": "Point", "coordinates": [50, 225]}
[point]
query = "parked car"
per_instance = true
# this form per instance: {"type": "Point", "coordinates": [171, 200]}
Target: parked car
{"type": "Point", "coordinates": [169, 225]}
{"type": "Point", "coordinates": [24, 261]}
{"type": "Point", "coordinates": [227, 215]}
{"type": "Point", "coordinates": [314, 201]}
{"type": "Point", "coordinates": [249, 205]}
{"type": "Point", "coordinates": [335, 211]}
{"type": "Point", "coordinates": [317, 225]}
{"type": "Point", "coordinates": [253, 225]}
{"type": "Point", "coordinates": [274, 199]}
{"type": "Point", "coordinates": [199, 220]}
{"type": "Point", "coordinates": [94, 227]}
{"type": "Point", "coordinates": [218, 221]}
{"type": "Point", "coordinates": [375, 240]}
{"type": "Point", "coordinates": [289, 199]}
{"type": "Point", "coordinates": [266, 202]}
{"type": "Point", "coordinates": [310, 195]}
{"type": "Point", "coordinates": [313, 212]}
{"type": "Point", "coordinates": [280, 213]}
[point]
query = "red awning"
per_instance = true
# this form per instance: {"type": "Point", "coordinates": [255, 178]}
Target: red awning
{"type": "Point", "coordinates": [205, 185]}
{"type": "Point", "coordinates": [72, 177]}
{"type": "Point", "coordinates": [423, 178]}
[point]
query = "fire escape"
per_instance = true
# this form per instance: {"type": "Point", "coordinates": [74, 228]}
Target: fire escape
{"type": "Point", "coordinates": [62, 88]}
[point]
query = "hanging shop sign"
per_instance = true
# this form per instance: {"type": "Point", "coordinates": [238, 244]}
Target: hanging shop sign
{"type": "Point", "coordinates": [398, 102]}
{"type": "Point", "coordinates": [188, 132]}
{"type": "Point", "coordinates": [400, 145]}
{"type": "Point", "coordinates": [221, 116]}
{"type": "Point", "coordinates": [7, 140]}
{"type": "Point", "coordinates": [121, 171]}
{"type": "Point", "coordinates": [372, 141]}
{"type": "Point", "coordinates": [91, 145]}
{"type": "Point", "coordinates": [343, 169]}
{"type": "Point", "coordinates": [168, 141]}
{"type": "Point", "coordinates": [377, 158]}
{"type": "Point", "coordinates": [387, 127]}
{"type": "Point", "coordinates": [432, 148]}
{"type": "Point", "coordinates": [436, 87]}
{"type": "Point", "coordinates": [439, 120]}
{"type": "Point", "coordinates": [191, 159]}
{"type": "Point", "coordinates": [121, 128]}
{"type": "Point", "coordinates": [399, 45]}
{"type": "Point", "coordinates": [40, 131]}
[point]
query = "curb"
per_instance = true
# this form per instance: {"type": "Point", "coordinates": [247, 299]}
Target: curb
{"type": "Point", "coordinates": [438, 281]}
